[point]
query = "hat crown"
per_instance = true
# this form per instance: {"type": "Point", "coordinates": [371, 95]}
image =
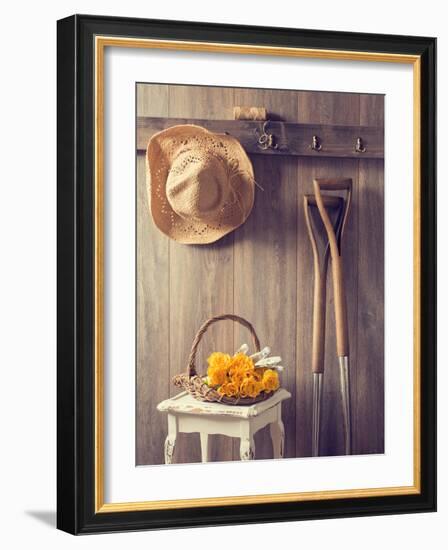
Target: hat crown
{"type": "Point", "coordinates": [201, 184]}
{"type": "Point", "coordinates": [197, 185]}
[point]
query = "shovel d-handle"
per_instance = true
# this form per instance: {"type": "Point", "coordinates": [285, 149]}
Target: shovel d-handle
{"type": "Point", "coordinates": [320, 262]}
{"type": "Point", "coordinates": [334, 239]}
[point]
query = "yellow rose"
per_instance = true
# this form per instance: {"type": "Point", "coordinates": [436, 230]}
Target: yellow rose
{"type": "Point", "coordinates": [250, 387]}
{"type": "Point", "coordinates": [258, 388]}
{"type": "Point", "coordinates": [246, 387]}
{"type": "Point", "coordinates": [229, 389]}
{"type": "Point", "coordinates": [240, 362]}
{"type": "Point", "coordinates": [270, 380]}
{"type": "Point", "coordinates": [217, 368]}
{"type": "Point", "coordinates": [237, 376]}
{"type": "Point", "coordinates": [217, 375]}
{"type": "Point", "coordinates": [239, 367]}
{"type": "Point", "coordinates": [218, 359]}
{"type": "Point", "coordinates": [258, 376]}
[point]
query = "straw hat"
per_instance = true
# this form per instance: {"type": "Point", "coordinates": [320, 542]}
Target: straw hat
{"type": "Point", "coordinates": [201, 184]}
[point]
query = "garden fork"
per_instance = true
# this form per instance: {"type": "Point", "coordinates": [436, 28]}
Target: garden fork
{"type": "Point", "coordinates": [334, 231]}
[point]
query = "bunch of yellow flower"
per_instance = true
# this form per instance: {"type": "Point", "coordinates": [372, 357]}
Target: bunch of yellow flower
{"type": "Point", "coordinates": [237, 376]}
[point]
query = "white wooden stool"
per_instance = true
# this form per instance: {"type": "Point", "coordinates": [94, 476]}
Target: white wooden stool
{"type": "Point", "coordinates": [187, 415]}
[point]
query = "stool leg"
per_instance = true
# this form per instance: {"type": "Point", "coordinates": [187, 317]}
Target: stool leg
{"type": "Point", "coordinates": [170, 441]}
{"type": "Point", "coordinates": [205, 449]}
{"type": "Point", "coordinates": [278, 438]}
{"type": "Point", "coordinates": [247, 445]}
{"type": "Point", "coordinates": [247, 449]}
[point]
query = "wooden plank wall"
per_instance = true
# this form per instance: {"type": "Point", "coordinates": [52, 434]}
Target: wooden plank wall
{"type": "Point", "coordinates": [263, 271]}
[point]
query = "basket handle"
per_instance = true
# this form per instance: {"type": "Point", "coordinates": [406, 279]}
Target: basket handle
{"type": "Point", "coordinates": [203, 329]}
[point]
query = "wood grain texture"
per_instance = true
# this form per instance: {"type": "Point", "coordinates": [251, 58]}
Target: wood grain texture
{"type": "Point", "coordinates": [321, 255]}
{"type": "Point", "coordinates": [290, 138]}
{"type": "Point", "coordinates": [322, 108]}
{"type": "Point", "coordinates": [266, 262]}
{"type": "Point", "coordinates": [331, 419]}
{"type": "Point", "coordinates": [328, 108]}
{"type": "Point", "coordinates": [264, 272]}
{"type": "Point", "coordinates": [369, 391]}
{"type": "Point", "coordinates": [201, 277]}
{"type": "Point", "coordinates": [344, 186]}
{"type": "Point", "coordinates": [371, 110]}
{"type": "Point", "coordinates": [152, 315]}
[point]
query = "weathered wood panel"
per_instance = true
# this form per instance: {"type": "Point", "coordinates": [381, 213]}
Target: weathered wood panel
{"type": "Point", "coordinates": [201, 277]}
{"type": "Point", "coordinates": [371, 111]}
{"type": "Point", "coordinates": [290, 138]}
{"type": "Point", "coordinates": [320, 108]}
{"type": "Point", "coordinates": [332, 434]}
{"type": "Point", "coordinates": [328, 108]}
{"type": "Point", "coordinates": [266, 261]}
{"type": "Point", "coordinates": [369, 390]}
{"type": "Point", "coordinates": [179, 286]}
{"type": "Point", "coordinates": [152, 315]}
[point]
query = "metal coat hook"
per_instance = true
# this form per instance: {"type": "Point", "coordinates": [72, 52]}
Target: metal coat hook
{"type": "Point", "coordinates": [316, 145]}
{"type": "Point", "coordinates": [359, 147]}
{"type": "Point", "coordinates": [266, 140]}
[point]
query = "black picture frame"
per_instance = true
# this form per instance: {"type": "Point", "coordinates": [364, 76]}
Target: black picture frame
{"type": "Point", "coordinates": [76, 271]}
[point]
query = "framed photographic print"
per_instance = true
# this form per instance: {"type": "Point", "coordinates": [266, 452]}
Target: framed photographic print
{"type": "Point", "coordinates": [246, 274]}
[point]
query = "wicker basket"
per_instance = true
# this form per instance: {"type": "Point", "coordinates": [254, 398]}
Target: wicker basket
{"type": "Point", "coordinates": [194, 383]}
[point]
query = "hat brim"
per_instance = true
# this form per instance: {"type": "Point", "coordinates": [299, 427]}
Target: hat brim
{"type": "Point", "coordinates": [163, 148]}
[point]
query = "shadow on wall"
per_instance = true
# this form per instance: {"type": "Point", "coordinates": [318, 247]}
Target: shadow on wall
{"type": "Point", "coordinates": [47, 517]}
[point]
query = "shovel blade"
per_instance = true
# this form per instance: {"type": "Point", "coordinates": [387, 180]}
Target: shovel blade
{"type": "Point", "coordinates": [318, 384]}
{"type": "Point", "coordinates": [344, 377]}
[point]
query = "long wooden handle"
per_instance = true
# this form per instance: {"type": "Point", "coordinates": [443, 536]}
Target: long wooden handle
{"type": "Point", "coordinates": [191, 371]}
{"type": "Point", "coordinates": [320, 292]}
{"type": "Point", "coordinates": [320, 277]}
{"type": "Point", "coordinates": [340, 304]}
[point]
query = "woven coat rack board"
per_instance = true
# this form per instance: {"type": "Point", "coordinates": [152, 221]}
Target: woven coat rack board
{"type": "Point", "coordinates": [273, 137]}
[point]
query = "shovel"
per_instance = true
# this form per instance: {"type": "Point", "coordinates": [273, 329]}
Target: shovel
{"type": "Point", "coordinates": [334, 230]}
